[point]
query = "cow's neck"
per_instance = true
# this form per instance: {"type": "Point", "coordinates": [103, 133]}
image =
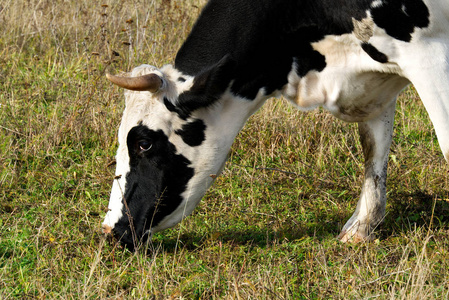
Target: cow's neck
{"type": "Point", "coordinates": [223, 120]}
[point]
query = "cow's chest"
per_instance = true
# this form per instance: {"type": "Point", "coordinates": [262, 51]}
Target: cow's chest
{"type": "Point", "coordinates": [352, 86]}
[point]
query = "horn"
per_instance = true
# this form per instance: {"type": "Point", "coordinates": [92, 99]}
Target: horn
{"type": "Point", "coordinates": [149, 82]}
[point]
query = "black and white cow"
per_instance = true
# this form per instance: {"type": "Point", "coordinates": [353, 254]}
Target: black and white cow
{"type": "Point", "coordinates": [351, 57]}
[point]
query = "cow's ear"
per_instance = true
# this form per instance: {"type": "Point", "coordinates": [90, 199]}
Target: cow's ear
{"type": "Point", "coordinates": [208, 86]}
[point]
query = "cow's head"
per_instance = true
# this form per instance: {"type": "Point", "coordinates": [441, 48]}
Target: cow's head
{"type": "Point", "coordinates": [174, 138]}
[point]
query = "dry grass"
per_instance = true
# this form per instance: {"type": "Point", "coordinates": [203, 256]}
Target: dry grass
{"type": "Point", "coordinates": [264, 231]}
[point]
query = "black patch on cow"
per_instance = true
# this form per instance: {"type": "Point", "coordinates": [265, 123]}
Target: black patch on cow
{"type": "Point", "coordinates": [181, 79]}
{"type": "Point", "coordinates": [208, 86]}
{"type": "Point", "coordinates": [171, 107]}
{"type": "Point", "coordinates": [154, 185]}
{"type": "Point", "coordinates": [193, 133]}
{"type": "Point", "coordinates": [374, 53]}
{"type": "Point", "coordinates": [399, 18]}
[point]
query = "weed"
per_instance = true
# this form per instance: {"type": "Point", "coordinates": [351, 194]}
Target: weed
{"type": "Point", "coordinates": [267, 228]}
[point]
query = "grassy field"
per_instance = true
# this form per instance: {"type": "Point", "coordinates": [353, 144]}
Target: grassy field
{"type": "Point", "coordinates": [267, 228]}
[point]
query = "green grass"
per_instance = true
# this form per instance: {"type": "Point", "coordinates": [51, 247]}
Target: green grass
{"type": "Point", "coordinates": [265, 230]}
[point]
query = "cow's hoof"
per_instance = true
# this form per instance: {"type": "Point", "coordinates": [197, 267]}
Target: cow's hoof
{"type": "Point", "coordinates": [354, 233]}
{"type": "Point", "coordinates": [354, 237]}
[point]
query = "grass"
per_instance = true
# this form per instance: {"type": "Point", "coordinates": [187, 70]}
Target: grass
{"type": "Point", "coordinates": [266, 230]}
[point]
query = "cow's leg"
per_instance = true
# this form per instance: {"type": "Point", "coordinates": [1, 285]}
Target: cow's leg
{"type": "Point", "coordinates": [432, 83]}
{"type": "Point", "coordinates": [375, 136]}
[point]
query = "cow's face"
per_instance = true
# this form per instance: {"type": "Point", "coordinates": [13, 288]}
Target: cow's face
{"type": "Point", "coordinates": [174, 138]}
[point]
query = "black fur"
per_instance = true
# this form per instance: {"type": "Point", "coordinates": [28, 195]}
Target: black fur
{"type": "Point", "coordinates": [154, 185]}
{"type": "Point", "coordinates": [171, 107]}
{"type": "Point", "coordinates": [374, 53]}
{"type": "Point", "coordinates": [399, 18]}
{"type": "Point", "coordinates": [193, 133]}
{"type": "Point", "coordinates": [208, 86]}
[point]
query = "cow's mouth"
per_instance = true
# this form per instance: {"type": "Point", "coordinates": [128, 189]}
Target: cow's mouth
{"type": "Point", "coordinates": [106, 229]}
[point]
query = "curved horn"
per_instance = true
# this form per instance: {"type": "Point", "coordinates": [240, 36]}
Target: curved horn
{"type": "Point", "coordinates": [149, 82]}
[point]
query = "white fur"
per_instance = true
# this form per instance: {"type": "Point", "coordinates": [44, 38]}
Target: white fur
{"type": "Point", "coordinates": [425, 62]}
{"type": "Point", "coordinates": [377, 3]}
{"type": "Point", "coordinates": [351, 79]}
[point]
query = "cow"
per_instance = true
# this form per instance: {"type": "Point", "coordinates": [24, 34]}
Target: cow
{"type": "Point", "coordinates": [351, 57]}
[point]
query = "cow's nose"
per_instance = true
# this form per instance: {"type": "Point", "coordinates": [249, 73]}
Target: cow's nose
{"type": "Point", "coordinates": [106, 229]}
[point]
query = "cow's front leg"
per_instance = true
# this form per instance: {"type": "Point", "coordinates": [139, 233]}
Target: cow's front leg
{"type": "Point", "coordinates": [375, 136]}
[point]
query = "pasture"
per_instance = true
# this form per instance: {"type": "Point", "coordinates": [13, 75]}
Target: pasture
{"type": "Point", "coordinates": [267, 227]}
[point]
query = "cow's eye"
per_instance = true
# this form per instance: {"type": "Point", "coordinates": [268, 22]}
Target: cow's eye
{"type": "Point", "coordinates": [144, 145]}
